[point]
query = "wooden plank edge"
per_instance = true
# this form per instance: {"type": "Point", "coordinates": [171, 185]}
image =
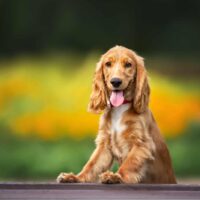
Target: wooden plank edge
{"type": "Point", "coordinates": [95, 186]}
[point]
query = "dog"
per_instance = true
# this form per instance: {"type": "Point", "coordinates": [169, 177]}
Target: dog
{"type": "Point", "coordinates": [128, 132]}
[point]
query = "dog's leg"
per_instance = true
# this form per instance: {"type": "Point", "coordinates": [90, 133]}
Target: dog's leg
{"type": "Point", "coordinates": [100, 161]}
{"type": "Point", "coordinates": [132, 169]}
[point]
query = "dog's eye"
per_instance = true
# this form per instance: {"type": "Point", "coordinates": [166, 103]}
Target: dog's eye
{"type": "Point", "coordinates": [127, 64]}
{"type": "Point", "coordinates": [108, 64]}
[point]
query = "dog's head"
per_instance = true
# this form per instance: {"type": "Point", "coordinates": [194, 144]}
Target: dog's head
{"type": "Point", "coordinates": [120, 75]}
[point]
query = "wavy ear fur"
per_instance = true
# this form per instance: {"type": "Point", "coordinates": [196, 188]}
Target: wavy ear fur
{"type": "Point", "coordinates": [142, 89]}
{"type": "Point", "coordinates": [98, 96]}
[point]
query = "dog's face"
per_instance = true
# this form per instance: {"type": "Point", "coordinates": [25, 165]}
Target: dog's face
{"type": "Point", "coordinates": [120, 75]}
{"type": "Point", "coordinates": [119, 69]}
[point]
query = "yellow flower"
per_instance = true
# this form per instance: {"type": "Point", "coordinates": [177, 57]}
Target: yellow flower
{"type": "Point", "coordinates": [63, 96]}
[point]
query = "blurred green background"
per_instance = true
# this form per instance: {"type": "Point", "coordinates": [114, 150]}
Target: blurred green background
{"type": "Point", "coordinates": [48, 51]}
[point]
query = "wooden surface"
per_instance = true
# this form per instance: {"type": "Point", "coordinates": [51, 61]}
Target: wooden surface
{"type": "Point", "coordinates": [43, 191]}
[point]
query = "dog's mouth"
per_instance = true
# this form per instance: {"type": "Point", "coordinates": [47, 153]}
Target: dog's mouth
{"type": "Point", "coordinates": [117, 97]}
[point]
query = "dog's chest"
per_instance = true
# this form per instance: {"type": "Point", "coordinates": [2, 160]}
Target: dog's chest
{"type": "Point", "coordinates": [116, 118]}
{"type": "Point", "coordinates": [118, 144]}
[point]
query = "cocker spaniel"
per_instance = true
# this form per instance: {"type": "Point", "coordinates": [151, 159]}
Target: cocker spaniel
{"type": "Point", "coordinates": [127, 131]}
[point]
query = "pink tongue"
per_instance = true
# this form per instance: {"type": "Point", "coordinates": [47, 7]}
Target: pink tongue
{"type": "Point", "coordinates": [117, 98]}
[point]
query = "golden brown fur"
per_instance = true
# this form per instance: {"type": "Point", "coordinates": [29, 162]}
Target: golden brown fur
{"type": "Point", "coordinates": [128, 133]}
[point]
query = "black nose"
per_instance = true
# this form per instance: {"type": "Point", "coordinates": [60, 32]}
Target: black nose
{"type": "Point", "coordinates": [116, 82]}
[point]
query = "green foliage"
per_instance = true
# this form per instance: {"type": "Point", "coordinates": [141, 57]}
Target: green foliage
{"type": "Point", "coordinates": [185, 152]}
{"type": "Point", "coordinates": [36, 159]}
{"type": "Point", "coordinates": [31, 158]}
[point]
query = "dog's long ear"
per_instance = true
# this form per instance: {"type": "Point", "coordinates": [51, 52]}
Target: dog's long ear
{"type": "Point", "coordinates": [98, 96]}
{"type": "Point", "coordinates": [142, 89]}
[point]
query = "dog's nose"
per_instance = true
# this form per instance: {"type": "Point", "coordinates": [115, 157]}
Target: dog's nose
{"type": "Point", "coordinates": [116, 82]}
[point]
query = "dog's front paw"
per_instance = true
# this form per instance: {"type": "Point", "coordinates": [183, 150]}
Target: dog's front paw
{"type": "Point", "coordinates": [110, 178]}
{"type": "Point", "coordinates": [67, 178]}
